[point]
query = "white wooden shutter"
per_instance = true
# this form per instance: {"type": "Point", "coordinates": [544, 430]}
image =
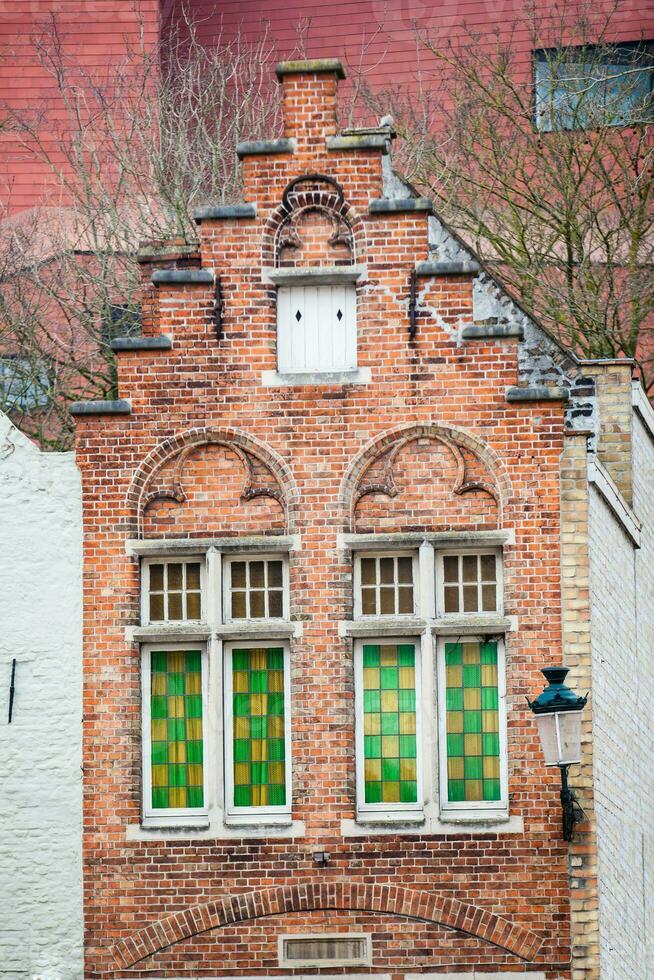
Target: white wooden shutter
{"type": "Point", "coordinates": [316, 328]}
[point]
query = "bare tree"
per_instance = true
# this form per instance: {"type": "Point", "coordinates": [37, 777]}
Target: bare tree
{"type": "Point", "coordinates": [129, 156]}
{"type": "Point", "coordinates": [550, 179]}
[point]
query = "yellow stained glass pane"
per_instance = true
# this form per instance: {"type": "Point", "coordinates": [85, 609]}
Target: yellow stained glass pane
{"type": "Point", "coordinates": [241, 681]}
{"type": "Point", "coordinates": [472, 744]}
{"type": "Point", "coordinates": [177, 752]}
{"type": "Point", "coordinates": [175, 707]}
{"type": "Point", "coordinates": [276, 773]}
{"type": "Point", "coordinates": [178, 796]}
{"type": "Point", "coordinates": [490, 721]}
{"type": "Point", "coordinates": [195, 775]}
{"type": "Point", "coordinates": [258, 660]}
{"type": "Point", "coordinates": [454, 676]}
{"type": "Point", "coordinates": [159, 684]}
{"type": "Point", "coordinates": [371, 724]}
{"type": "Point", "coordinates": [389, 701]}
{"type": "Point", "coordinates": [471, 653]}
{"type": "Point", "coordinates": [258, 704]}
{"type": "Point", "coordinates": [241, 727]}
{"type": "Point", "coordinates": [489, 675]}
{"type": "Point", "coordinates": [373, 770]}
{"type": "Point", "coordinates": [371, 678]}
{"type": "Point", "coordinates": [472, 699]}
{"type": "Point", "coordinates": [276, 680]}
{"type": "Point", "coordinates": [275, 726]}
{"type": "Point", "coordinates": [194, 729]}
{"type": "Point", "coordinates": [194, 682]}
{"type": "Point", "coordinates": [260, 795]}
{"type": "Point", "coordinates": [491, 767]}
{"type": "Point", "coordinates": [388, 656]}
{"type": "Point", "coordinates": [407, 723]}
{"type": "Point", "coordinates": [407, 768]}
{"type": "Point", "coordinates": [455, 768]}
{"type": "Point", "coordinates": [259, 750]}
{"type": "Point", "coordinates": [391, 792]}
{"type": "Point", "coordinates": [159, 730]}
{"type": "Point", "coordinates": [474, 789]}
{"type": "Point", "coordinates": [390, 746]}
{"type": "Point", "coordinates": [454, 722]}
{"type": "Point", "coordinates": [176, 664]}
{"type": "Point", "coordinates": [160, 775]}
{"type": "Point", "coordinates": [241, 773]}
{"type": "Point", "coordinates": [407, 677]}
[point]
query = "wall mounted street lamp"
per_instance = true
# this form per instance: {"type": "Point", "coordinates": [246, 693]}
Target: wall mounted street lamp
{"type": "Point", "coordinates": [558, 714]}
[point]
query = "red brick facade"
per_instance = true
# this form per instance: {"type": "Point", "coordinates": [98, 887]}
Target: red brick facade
{"type": "Point", "coordinates": [210, 450]}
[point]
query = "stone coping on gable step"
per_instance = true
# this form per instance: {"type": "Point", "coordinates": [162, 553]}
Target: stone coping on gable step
{"type": "Point", "coordinates": [359, 141]}
{"type": "Point", "coordinates": [493, 332]}
{"type": "Point", "coordinates": [312, 66]}
{"type": "Point", "coordinates": [117, 406]}
{"type": "Point", "coordinates": [539, 393]}
{"type": "Point", "coordinates": [391, 205]}
{"type": "Point", "coordinates": [224, 212]}
{"type": "Point", "coordinates": [161, 342]}
{"type": "Point", "coordinates": [465, 268]}
{"type": "Point", "coordinates": [248, 148]}
{"type": "Point", "coordinates": [179, 277]}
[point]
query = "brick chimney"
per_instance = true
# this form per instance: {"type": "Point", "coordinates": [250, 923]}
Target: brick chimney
{"type": "Point", "coordinates": [310, 90]}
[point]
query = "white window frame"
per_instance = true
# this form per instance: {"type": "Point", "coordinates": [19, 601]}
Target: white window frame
{"type": "Point", "coordinates": [254, 814]}
{"type": "Point", "coordinates": [357, 584]}
{"type": "Point", "coordinates": [471, 806]}
{"type": "Point", "coordinates": [440, 582]}
{"type": "Point", "coordinates": [285, 298]}
{"type": "Point", "coordinates": [391, 809]}
{"type": "Point", "coordinates": [171, 816]}
{"type": "Point", "coordinates": [185, 559]}
{"type": "Point", "coordinates": [227, 562]}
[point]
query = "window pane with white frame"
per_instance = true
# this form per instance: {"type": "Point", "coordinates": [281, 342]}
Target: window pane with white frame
{"type": "Point", "coordinates": [316, 328]}
{"type": "Point", "coordinates": [388, 744]}
{"type": "Point", "coordinates": [257, 747]}
{"type": "Point", "coordinates": [174, 681]}
{"type": "Point", "coordinates": [256, 588]}
{"type": "Point", "coordinates": [174, 591]}
{"type": "Point", "coordinates": [385, 585]}
{"type": "Point", "coordinates": [470, 582]}
{"type": "Point", "coordinates": [472, 724]}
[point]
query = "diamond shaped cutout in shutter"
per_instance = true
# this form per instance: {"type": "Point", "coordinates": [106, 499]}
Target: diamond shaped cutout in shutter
{"type": "Point", "coordinates": [298, 316]}
{"type": "Point", "coordinates": [339, 316]}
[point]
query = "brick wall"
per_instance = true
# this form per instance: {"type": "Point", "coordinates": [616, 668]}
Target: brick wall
{"type": "Point", "coordinates": [622, 591]}
{"type": "Point", "coordinates": [40, 802]}
{"type": "Point", "coordinates": [169, 905]}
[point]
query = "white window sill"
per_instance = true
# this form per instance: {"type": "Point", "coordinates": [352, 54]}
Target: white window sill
{"type": "Point", "coordinates": [283, 379]}
{"type": "Point", "coordinates": [256, 820]}
{"type": "Point", "coordinates": [214, 829]}
{"type": "Point", "coordinates": [435, 826]}
{"type": "Point", "coordinates": [472, 625]}
{"type": "Point", "coordinates": [374, 817]}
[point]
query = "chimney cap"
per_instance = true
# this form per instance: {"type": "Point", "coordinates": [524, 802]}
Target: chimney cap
{"type": "Point", "coordinates": [313, 66]}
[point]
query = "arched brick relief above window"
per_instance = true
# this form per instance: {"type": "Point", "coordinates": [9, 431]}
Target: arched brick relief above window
{"type": "Point", "coordinates": [425, 477]}
{"type": "Point", "coordinates": [313, 227]}
{"type": "Point", "coordinates": [221, 481]}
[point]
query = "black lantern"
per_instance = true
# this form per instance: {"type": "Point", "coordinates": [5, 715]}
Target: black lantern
{"type": "Point", "coordinates": [558, 713]}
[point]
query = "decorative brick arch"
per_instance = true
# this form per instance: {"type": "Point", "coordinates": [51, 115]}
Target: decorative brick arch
{"type": "Point", "coordinates": [388, 444]}
{"type": "Point", "coordinates": [343, 896]}
{"type": "Point", "coordinates": [326, 195]}
{"type": "Point", "coordinates": [246, 447]}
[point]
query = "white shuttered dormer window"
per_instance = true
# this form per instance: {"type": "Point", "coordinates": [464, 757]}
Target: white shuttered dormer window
{"type": "Point", "coordinates": [316, 328]}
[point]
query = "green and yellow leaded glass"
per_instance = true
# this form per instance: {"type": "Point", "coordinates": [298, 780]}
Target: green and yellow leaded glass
{"type": "Point", "coordinates": [473, 739]}
{"type": "Point", "coordinates": [389, 723]}
{"type": "Point", "coordinates": [176, 729]}
{"type": "Point", "coordinates": [258, 738]}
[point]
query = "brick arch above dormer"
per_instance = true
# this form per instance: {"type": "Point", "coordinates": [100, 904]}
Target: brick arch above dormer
{"type": "Point", "coordinates": [323, 194]}
{"type": "Point", "coordinates": [417, 904]}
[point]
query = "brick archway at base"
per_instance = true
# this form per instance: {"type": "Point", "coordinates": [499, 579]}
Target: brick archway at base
{"type": "Point", "coordinates": [308, 897]}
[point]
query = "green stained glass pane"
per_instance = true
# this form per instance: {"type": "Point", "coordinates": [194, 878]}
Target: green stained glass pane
{"type": "Point", "coordinates": [371, 701]}
{"type": "Point", "coordinates": [456, 790]}
{"type": "Point", "coordinates": [408, 746]}
{"type": "Point", "coordinates": [488, 653]}
{"type": "Point", "coordinates": [389, 678]}
{"type": "Point", "coordinates": [492, 789]}
{"type": "Point", "coordinates": [489, 698]}
{"type": "Point", "coordinates": [390, 770]}
{"type": "Point", "coordinates": [258, 747]}
{"type": "Point", "coordinates": [372, 746]}
{"type": "Point", "coordinates": [373, 792]}
{"type": "Point", "coordinates": [406, 656]}
{"type": "Point", "coordinates": [472, 767]}
{"type": "Point", "coordinates": [454, 699]}
{"type": "Point", "coordinates": [176, 712]}
{"type": "Point", "coordinates": [408, 791]}
{"type": "Point", "coordinates": [472, 722]}
{"type": "Point", "coordinates": [454, 745]}
{"type": "Point", "coordinates": [371, 656]}
{"type": "Point", "coordinates": [390, 723]}
{"type": "Point", "coordinates": [471, 675]}
{"type": "Point", "coordinates": [453, 654]}
{"type": "Point", "coordinates": [407, 700]}
{"type": "Point", "coordinates": [491, 743]}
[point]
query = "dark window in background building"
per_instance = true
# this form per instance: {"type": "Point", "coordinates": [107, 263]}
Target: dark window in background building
{"type": "Point", "coordinates": [24, 384]}
{"type": "Point", "coordinates": [120, 321]}
{"type": "Point", "coordinates": [592, 86]}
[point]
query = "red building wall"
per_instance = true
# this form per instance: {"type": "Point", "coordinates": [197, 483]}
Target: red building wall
{"type": "Point", "coordinates": [201, 417]}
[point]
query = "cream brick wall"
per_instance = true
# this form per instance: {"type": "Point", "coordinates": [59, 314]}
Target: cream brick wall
{"type": "Point", "coordinates": [622, 620]}
{"type": "Point", "coordinates": [40, 780]}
